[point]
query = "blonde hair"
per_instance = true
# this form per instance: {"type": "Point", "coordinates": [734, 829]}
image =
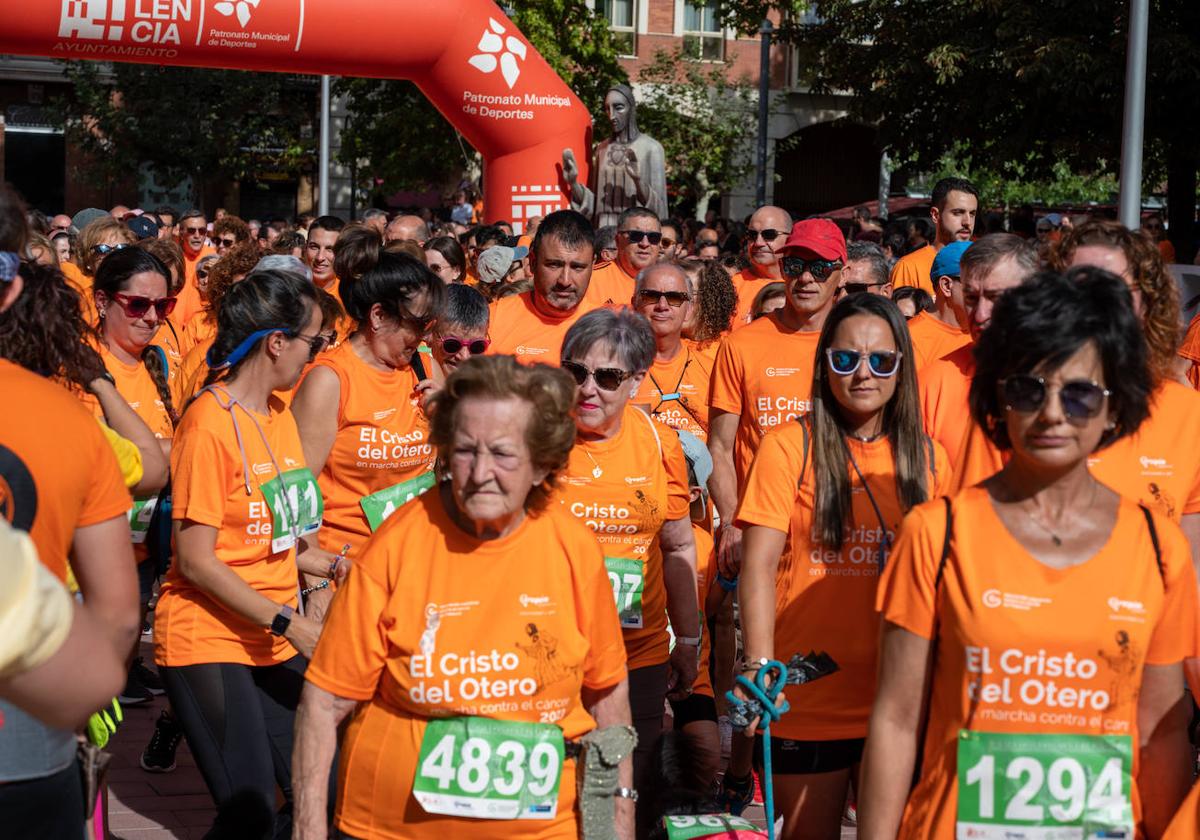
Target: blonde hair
{"type": "Point", "coordinates": [94, 234]}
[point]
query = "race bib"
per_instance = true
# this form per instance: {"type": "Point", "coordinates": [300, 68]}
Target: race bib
{"type": "Point", "coordinates": [379, 506]}
{"type": "Point", "coordinates": [1044, 787]}
{"type": "Point", "coordinates": [139, 518]}
{"type": "Point", "coordinates": [489, 769]}
{"type": "Point", "coordinates": [689, 827]}
{"type": "Point", "coordinates": [296, 507]}
{"type": "Point", "coordinates": [628, 579]}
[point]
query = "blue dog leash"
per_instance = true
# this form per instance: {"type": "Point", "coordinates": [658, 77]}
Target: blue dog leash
{"type": "Point", "coordinates": [766, 696]}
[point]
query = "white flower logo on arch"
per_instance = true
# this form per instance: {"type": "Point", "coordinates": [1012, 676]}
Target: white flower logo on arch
{"type": "Point", "coordinates": [240, 8]}
{"type": "Point", "coordinates": [509, 49]}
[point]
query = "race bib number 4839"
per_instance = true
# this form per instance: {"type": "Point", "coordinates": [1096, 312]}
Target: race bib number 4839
{"type": "Point", "coordinates": [1044, 787]}
{"type": "Point", "coordinates": [489, 769]}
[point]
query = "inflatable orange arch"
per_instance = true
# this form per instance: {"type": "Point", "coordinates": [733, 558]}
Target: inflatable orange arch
{"type": "Point", "coordinates": [465, 56]}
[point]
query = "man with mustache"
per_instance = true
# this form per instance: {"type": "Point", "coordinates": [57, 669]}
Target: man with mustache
{"type": "Point", "coordinates": [955, 204]}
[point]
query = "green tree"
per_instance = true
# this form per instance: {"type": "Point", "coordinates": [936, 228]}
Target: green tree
{"type": "Point", "coordinates": [704, 121]}
{"type": "Point", "coordinates": [1033, 83]}
{"type": "Point", "coordinates": [407, 144]}
{"type": "Point", "coordinates": [187, 122]}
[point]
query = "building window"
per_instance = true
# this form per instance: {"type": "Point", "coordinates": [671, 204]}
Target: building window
{"type": "Point", "coordinates": [703, 35]}
{"type": "Point", "coordinates": [622, 20]}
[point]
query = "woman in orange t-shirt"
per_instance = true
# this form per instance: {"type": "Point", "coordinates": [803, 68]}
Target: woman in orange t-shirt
{"type": "Point", "coordinates": [229, 643]}
{"type": "Point", "coordinates": [475, 636]}
{"type": "Point", "coordinates": [1051, 614]}
{"type": "Point", "coordinates": [97, 240]}
{"type": "Point", "coordinates": [627, 481]}
{"type": "Point", "coordinates": [358, 408]}
{"type": "Point", "coordinates": [822, 503]}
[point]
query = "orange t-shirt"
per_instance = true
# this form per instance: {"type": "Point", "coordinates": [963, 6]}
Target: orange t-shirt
{"type": "Point", "coordinates": [747, 284]}
{"type": "Point", "coordinates": [519, 329]}
{"type": "Point", "coordinates": [137, 387]}
{"type": "Point", "coordinates": [382, 440]}
{"type": "Point", "coordinates": [194, 369]}
{"type": "Point", "coordinates": [1024, 648]}
{"type": "Point", "coordinates": [610, 285]}
{"type": "Point", "coordinates": [81, 283]}
{"type": "Point", "coordinates": [1186, 824]}
{"type": "Point", "coordinates": [706, 576]}
{"type": "Point", "coordinates": [1190, 350]}
{"type": "Point", "coordinates": [688, 376]}
{"type": "Point", "coordinates": [913, 269]}
{"type": "Point", "coordinates": [200, 329]}
{"type": "Point", "coordinates": [209, 476]}
{"type": "Point", "coordinates": [190, 302]}
{"type": "Point", "coordinates": [1167, 249]}
{"type": "Point", "coordinates": [945, 386]}
{"type": "Point", "coordinates": [825, 599]}
{"type": "Point", "coordinates": [435, 623]}
{"type": "Point", "coordinates": [57, 471]}
{"type": "Point", "coordinates": [933, 339]}
{"type": "Point", "coordinates": [764, 374]}
{"type": "Point", "coordinates": [642, 483]}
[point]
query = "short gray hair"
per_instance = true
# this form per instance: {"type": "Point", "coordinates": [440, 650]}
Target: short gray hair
{"type": "Point", "coordinates": [284, 262]}
{"type": "Point", "coordinates": [988, 251]}
{"type": "Point", "coordinates": [606, 237]}
{"type": "Point", "coordinates": [626, 332]}
{"type": "Point", "coordinates": [463, 306]}
{"type": "Point", "coordinates": [645, 273]}
{"type": "Point", "coordinates": [872, 255]}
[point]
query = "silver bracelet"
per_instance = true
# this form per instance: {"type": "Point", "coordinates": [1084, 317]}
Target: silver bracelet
{"type": "Point", "coordinates": [626, 793]}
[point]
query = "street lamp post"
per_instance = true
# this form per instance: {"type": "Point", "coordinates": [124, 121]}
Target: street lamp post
{"type": "Point", "coordinates": [1133, 130]}
{"type": "Point", "coordinates": [323, 165]}
{"type": "Point", "coordinates": [764, 95]}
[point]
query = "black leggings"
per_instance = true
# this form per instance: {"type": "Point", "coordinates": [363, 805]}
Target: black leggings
{"type": "Point", "coordinates": [50, 808]}
{"type": "Point", "coordinates": [647, 691]}
{"type": "Point", "coordinates": [238, 721]}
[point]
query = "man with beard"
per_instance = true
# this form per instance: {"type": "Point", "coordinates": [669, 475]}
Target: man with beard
{"type": "Point", "coordinates": [193, 238]}
{"type": "Point", "coordinates": [955, 204]}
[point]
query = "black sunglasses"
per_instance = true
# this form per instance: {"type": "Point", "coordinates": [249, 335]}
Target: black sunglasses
{"type": "Point", "coordinates": [1081, 399]}
{"type": "Point", "coordinates": [316, 343]}
{"type": "Point", "coordinates": [859, 288]}
{"type": "Point", "coordinates": [768, 234]}
{"type": "Point", "coordinates": [653, 296]}
{"type": "Point", "coordinates": [819, 269]}
{"type": "Point", "coordinates": [636, 236]}
{"type": "Point", "coordinates": [607, 379]}
{"type": "Point", "coordinates": [108, 249]}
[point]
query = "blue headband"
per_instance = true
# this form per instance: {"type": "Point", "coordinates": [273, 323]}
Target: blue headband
{"type": "Point", "coordinates": [242, 350]}
{"type": "Point", "coordinates": [9, 263]}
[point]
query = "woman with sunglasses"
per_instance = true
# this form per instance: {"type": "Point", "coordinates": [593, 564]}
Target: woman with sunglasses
{"type": "Point", "coordinates": [627, 481]}
{"type": "Point", "coordinates": [1035, 624]}
{"type": "Point", "coordinates": [229, 643]}
{"type": "Point", "coordinates": [97, 240]}
{"type": "Point", "coordinates": [822, 503]}
{"type": "Point", "coordinates": [358, 408]}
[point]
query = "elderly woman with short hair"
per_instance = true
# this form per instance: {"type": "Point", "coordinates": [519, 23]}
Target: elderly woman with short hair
{"type": "Point", "coordinates": [474, 636]}
{"type": "Point", "coordinates": [627, 480]}
{"type": "Point", "coordinates": [461, 330]}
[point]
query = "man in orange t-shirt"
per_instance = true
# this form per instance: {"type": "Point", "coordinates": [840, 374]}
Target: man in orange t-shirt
{"type": "Point", "coordinates": [768, 230]}
{"type": "Point", "coordinates": [763, 374]}
{"type": "Point", "coordinates": [531, 325]}
{"type": "Point", "coordinates": [193, 238]}
{"type": "Point", "coordinates": [318, 252]}
{"type": "Point", "coordinates": [955, 201]}
{"type": "Point", "coordinates": [1189, 354]}
{"type": "Point", "coordinates": [639, 234]}
{"type": "Point", "coordinates": [989, 268]}
{"type": "Point", "coordinates": [937, 335]}
{"type": "Point", "coordinates": [675, 389]}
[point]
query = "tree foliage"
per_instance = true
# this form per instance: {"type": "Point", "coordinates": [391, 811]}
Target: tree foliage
{"type": "Point", "coordinates": [406, 144]}
{"type": "Point", "coordinates": [704, 121]}
{"type": "Point", "coordinates": [185, 121]}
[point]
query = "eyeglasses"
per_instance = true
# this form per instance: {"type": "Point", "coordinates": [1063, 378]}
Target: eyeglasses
{"type": "Point", "coordinates": [316, 343]}
{"type": "Point", "coordinates": [819, 269]}
{"type": "Point", "coordinates": [1081, 399]}
{"type": "Point", "coordinates": [195, 231]}
{"type": "Point", "coordinates": [667, 243]}
{"type": "Point", "coordinates": [103, 250]}
{"type": "Point", "coordinates": [420, 323]}
{"type": "Point", "coordinates": [859, 288]}
{"type": "Point", "coordinates": [881, 363]}
{"type": "Point", "coordinates": [452, 344]}
{"type": "Point", "coordinates": [704, 243]}
{"type": "Point", "coordinates": [228, 243]}
{"type": "Point", "coordinates": [653, 296]}
{"type": "Point", "coordinates": [136, 306]}
{"type": "Point", "coordinates": [606, 379]}
{"type": "Point", "coordinates": [768, 234]}
{"type": "Point", "coordinates": [636, 236]}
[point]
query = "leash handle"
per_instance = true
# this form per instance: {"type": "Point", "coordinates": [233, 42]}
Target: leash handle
{"type": "Point", "coordinates": [766, 696]}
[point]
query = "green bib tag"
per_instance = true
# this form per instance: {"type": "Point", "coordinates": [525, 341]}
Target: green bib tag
{"type": "Point", "coordinates": [139, 518]}
{"type": "Point", "coordinates": [689, 827]}
{"type": "Point", "coordinates": [296, 507]}
{"type": "Point", "coordinates": [628, 579]}
{"type": "Point", "coordinates": [1044, 787]}
{"type": "Point", "coordinates": [379, 506]}
{"type": "Point", "coordinates": [489, 769]}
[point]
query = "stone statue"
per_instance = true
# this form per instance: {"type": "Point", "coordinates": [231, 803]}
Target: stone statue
{"type": "Point", "coordinates": [628, 169]}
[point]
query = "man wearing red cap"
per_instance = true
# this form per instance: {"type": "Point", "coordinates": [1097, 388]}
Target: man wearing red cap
{"type": "Point", "coordinates": [763, 374]}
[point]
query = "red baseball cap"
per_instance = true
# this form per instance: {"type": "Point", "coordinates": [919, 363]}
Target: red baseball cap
{"type": "Point", "coordinates": [817, 236]}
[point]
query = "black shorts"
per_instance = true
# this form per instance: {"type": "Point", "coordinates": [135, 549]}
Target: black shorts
{"type": "Point", "coordinates": [692, 708]}
{"type": "Point", "coordinates": [801, 757]}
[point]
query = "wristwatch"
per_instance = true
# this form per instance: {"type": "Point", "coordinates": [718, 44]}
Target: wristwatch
{"type": "Point", "coordinates": [281, 622]}
{"type": "Point", "coordinates": [688, 640]}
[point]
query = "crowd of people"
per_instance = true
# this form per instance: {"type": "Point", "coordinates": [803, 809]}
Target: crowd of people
{"type": "Point", "coordinates": [428, 521]}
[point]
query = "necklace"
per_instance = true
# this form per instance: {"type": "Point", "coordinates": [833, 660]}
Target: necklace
{"type": "Point", "coordinates": [596, 471]}
{"type": "Point", "coordinates": [1054, 537]}
{"type": "Point", "coordinates": [866, 438]}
